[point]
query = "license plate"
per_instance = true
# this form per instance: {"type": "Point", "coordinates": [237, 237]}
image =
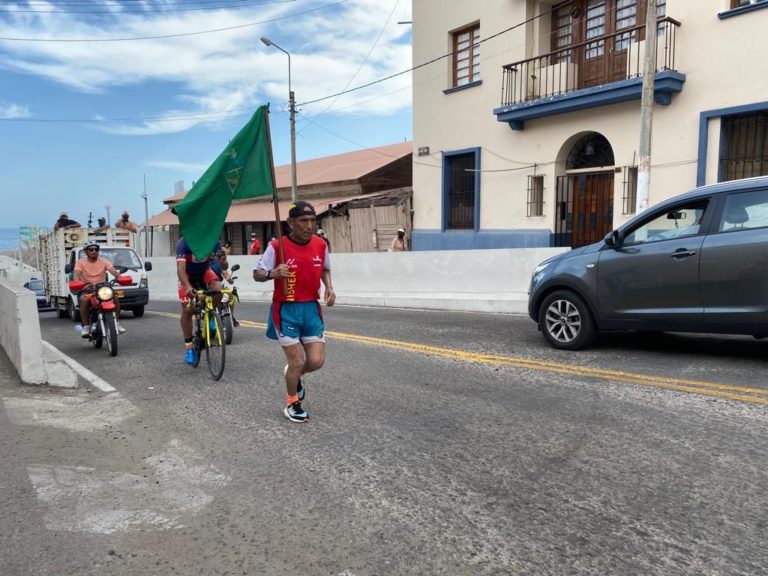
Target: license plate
{"type": "Point", "coordinates": [120, 293]}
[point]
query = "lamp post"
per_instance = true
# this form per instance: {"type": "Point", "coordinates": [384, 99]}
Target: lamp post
{"type": "Point", "coordinates": [292, 106]}
{"type": "Point", "coordinates": [146, 219]}
{"type": "Point", "coordinates": [109, 220]}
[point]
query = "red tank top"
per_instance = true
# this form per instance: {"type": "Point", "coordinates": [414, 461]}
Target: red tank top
{"type": "Point", "coordinates": [305, 265]}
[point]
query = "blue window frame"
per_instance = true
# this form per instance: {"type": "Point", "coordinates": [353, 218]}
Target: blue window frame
{"type": "Point", "coordinates": [461, 189]}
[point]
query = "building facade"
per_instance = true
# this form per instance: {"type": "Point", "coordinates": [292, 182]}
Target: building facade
{"type": "Point", "coordinates": [527, 120]}
{"type": "Point", "coordinates": [336, 185]}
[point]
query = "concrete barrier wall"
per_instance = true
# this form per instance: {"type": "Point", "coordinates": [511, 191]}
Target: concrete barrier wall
{"type": "Point", "coordinates": [20, 332]}
{"type": "Point", "coordinates": [460, 280]}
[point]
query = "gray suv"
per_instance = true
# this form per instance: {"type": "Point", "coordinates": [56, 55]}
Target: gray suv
{"type": "Point", "coordinates": [694, 263]}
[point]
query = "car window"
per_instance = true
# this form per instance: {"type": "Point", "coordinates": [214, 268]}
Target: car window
{"type": "Point", "coordinates": [35, 285]}
{"type": "Point", "coordinates": [744, 210]}
{"type": "Point", "coordinates": [677, 222]}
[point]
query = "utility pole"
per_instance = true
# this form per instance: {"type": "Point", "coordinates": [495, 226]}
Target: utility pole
{"type": "Point", "coordinates": [292, 104]}
{"type": "Point", "coordinates": [146, 219]}
{"type": "Point", "coordinates": [646, 109]}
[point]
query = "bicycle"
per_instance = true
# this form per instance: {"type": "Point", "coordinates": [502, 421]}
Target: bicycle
{"type": "Point", "coordinates": [212, 341]}
{"type": "Point", "coordinates": [229, 298]}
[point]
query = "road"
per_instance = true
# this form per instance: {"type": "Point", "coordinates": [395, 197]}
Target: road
{"type": "Point", "coordinates": [439, 443]}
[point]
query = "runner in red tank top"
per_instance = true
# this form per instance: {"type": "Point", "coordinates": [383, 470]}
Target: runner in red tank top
{"type": "Point", "coordinates": [295, 318]}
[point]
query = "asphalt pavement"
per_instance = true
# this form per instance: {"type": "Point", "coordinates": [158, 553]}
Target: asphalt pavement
{"type": "Point", "coordinates": [439, 443]}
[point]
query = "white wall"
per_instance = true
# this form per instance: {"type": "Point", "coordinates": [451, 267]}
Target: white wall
{"type": "Point", "coordinates": [20, 332]}
{"type": "Point", "coordinates": [468, 280]}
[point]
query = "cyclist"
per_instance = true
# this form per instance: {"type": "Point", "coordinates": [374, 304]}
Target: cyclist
{"type": "Point", "coordinates": [194, 274]}
{"type": "Point", "coordinates": [225, 275]}
{"type": "Point", "coordinates": [91, 269]}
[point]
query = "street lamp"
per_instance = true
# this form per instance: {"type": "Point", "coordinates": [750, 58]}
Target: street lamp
{"type": "Point", "coordinates": [292, 105]}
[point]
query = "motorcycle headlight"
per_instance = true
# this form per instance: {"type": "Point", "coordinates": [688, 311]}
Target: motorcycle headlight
{"type": "Point", "coordinates": [105, 293]}
{"type": "Point", "coordinates": [225, 298]}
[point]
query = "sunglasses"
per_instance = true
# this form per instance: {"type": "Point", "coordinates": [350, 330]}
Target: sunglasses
{"type": "Point", "coordinates": [91, 249]}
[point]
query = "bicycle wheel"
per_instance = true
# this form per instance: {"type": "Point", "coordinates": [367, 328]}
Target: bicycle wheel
{"type": "Point", "coordinates": [198, 340]}
{"type": "Point", "coordinates": [215, 349]}
{"type": "Point", "coordinates": [227, 326]}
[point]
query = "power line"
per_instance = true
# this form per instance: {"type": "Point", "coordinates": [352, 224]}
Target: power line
{"type": "Point", "coordinates": [179, 35]}
{"type": "Point", "coordinates": [145, 10]}
{"type": "Point", "coordinates": [524, 22]}
{"type": "Point", "coordinates": [312, 120]}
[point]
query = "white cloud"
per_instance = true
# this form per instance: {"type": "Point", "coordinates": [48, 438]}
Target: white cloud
{"type": "Point", "coordinates": [197, 77]}
{"type": "Point", "coordinates": [9, 111]}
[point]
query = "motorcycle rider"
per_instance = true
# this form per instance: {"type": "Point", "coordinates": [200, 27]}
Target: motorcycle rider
{"type": "Point", "coordinates": [92, 270]}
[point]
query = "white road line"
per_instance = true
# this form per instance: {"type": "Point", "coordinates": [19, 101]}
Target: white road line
{"type": "Point", "coordinates": [80, 369]}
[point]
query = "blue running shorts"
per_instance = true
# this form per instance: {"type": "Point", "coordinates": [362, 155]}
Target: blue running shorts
{"type": "Point", "coordinates": [299, 322]}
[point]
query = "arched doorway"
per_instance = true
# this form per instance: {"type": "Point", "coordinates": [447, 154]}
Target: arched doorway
{"type": "Point", "coordinates": [584, 194]}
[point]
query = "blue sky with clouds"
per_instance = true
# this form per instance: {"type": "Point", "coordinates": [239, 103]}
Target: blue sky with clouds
{"type": "Point", "coordinates": [159, 87]}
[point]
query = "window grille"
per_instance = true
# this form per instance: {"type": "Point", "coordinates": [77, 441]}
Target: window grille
{"type": "Point", "coordinates": [535, 195]}
{"type": "Point", "coordinates": [461, 191]}
{"type": "Point", "coordinates": [630, 189]}
{"type": "Point", "coordinates": [745, 151]}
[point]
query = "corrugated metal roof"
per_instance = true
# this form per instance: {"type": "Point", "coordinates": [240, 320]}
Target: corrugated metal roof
{"type": "Point", "coordinates": [260, 210]}
{"type": "Point", "coordinates": [337, 168]}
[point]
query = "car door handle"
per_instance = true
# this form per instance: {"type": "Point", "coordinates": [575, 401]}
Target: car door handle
{"type": "Point", "coordinates": [682, 253]}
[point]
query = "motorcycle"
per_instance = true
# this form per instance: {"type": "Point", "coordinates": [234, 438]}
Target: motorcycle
{"type": "Point", "coordinates": [103, 320]}
{"type": "Point", "coordinates": [229, 298]}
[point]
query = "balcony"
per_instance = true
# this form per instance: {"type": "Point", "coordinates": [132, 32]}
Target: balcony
{"type": "Point", "coordinates": [604, 70]}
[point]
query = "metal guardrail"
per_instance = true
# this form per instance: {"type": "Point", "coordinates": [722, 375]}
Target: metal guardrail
{"type": "Point", "coordinates": [600, 60]}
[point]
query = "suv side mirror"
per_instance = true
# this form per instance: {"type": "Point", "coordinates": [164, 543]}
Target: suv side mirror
{"type": "Point", "coordinates": [613, 239]}
{"type": "Point", "coordinates": [148, 266]}
{"type": "Point", "coordinates": [67, 268]}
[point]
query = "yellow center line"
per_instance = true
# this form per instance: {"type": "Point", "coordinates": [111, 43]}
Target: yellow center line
{"type": "Point", "coordinates": [703, 387]}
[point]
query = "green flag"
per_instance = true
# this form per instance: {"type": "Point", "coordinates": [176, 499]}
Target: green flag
{"type": "Point", "coordinates": [242, 170]}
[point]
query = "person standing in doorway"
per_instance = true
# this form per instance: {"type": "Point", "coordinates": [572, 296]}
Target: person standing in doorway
{"type": "Point", "coordinates": [295, 318]}
{"type": "Point", "coordinates": [398, 242]}
{"type": "Point", "coordinates": [255, 244]}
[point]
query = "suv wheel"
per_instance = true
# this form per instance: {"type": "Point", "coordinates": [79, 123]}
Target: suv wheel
{"type": "Point", "coordinates": [566, 321]}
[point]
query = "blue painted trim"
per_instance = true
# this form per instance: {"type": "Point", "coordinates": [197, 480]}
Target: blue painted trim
{"type": "Point", "coordinates": [430, 239]}
{"type": "Point", "coordinates": [665, 84]}
{"type": "Point", "coordinates": [462, 87]}
{"type": "Point", "coordinates": [742, 10]}
{"type": "Point", "coordinates": [704, 117]}
{"type": "Point", "coordinates": [476, 183]}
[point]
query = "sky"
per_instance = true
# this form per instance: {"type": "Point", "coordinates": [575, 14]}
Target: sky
{"type": "Point", "coordinates": [100, 98]}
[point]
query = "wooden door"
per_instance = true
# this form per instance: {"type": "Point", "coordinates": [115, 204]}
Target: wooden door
{"type": "Point", "coordinates": [604, 59]}
{"type": "Point", "coordinates": [592, 207]}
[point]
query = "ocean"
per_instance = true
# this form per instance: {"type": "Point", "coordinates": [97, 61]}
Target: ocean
{"type": "Point", "coordinates": [9, 239]}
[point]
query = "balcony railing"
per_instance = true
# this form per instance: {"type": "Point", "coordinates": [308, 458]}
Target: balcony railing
{"type": "Point", "coordinates": [598, 61]}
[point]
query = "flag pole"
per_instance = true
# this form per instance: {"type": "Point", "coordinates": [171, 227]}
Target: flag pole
{"type": "Point", "coordinates": [278, 225]}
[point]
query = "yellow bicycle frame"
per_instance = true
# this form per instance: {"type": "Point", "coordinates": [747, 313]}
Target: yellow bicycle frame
{"type": "Point", "coordinates": [206, 314]}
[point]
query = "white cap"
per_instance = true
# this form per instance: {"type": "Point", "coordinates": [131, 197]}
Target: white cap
{"type": "Point", "coordinates": [401, 230]}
